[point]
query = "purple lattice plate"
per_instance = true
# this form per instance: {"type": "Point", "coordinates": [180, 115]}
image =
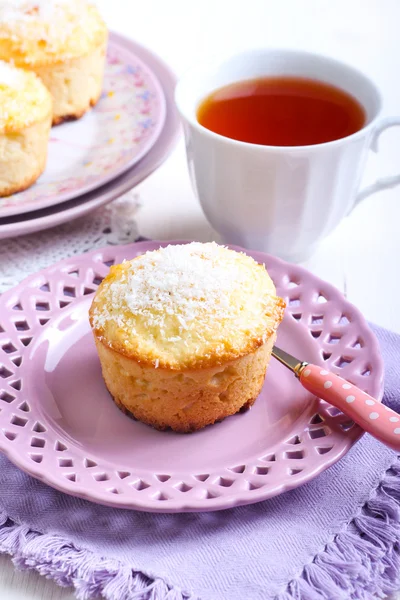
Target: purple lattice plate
{"type": "Point", "coordinates": [59, 424]}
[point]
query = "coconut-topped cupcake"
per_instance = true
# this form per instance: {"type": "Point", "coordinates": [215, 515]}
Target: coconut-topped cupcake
{"type": "Point", "coordinates": [64, 42]}
{"type": "Point", "coordinates": [185, 333]}
{"type": "Point", "coordinates": [25, 120]}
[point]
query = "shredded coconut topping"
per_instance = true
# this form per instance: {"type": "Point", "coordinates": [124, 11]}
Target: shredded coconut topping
{"type": "Point", "coordinates": [187, 282]}
{"type": "Point", "coordinates": [199, 296]}
{"type": "Point", "coordinates": [22, 10]}
{"type": "Point", "coordinates": [20, 13]}
{"type": "Point", "coordinates": [46, 26]}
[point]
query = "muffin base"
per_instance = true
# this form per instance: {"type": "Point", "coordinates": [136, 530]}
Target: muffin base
{"type": "Point", "coordinates": [126, 412]}
{"type": "Point", "coordinates": [75, 117]}
{"type": "Point", "coordinates": [23, 157]}
{"type": "Point", "coordinates": [186, 400]}
{"type": "Point", "coordinates": [75, 84]}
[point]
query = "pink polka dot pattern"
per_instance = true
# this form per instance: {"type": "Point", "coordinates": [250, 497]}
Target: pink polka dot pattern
{"type": "Point", "coordinates": [355, 403]}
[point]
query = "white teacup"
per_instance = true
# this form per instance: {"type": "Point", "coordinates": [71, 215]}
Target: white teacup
{"type": "Point", "coordinates": [282, 200]}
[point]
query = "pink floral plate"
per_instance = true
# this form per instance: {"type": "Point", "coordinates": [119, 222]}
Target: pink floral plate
{"type": "Point", "coordinates": [78, 207]}
{"type": "Point", "coordinates": [110, 139]}
{"type": "Point", "coordinates": [59, 424]}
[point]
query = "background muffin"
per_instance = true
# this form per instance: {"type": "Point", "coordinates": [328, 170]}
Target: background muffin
{"type": "Point", "coordinates": [25, 121]}
{"type": "Point", "coordinates": [185, 333]}
{"type": "Point", "coordinates": [64, 42]}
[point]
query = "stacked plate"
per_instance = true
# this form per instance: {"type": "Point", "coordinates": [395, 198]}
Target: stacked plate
{"type": "Point", "coordinates": [114, 147]}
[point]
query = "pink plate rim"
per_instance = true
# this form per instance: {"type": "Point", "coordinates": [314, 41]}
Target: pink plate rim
{"type": "Point", "coordinates": [358, 326]}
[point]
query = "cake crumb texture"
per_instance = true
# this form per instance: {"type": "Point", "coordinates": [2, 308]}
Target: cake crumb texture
{"type": "Point", "coordinates": [188, 400]}
{"type": "Point", "coordinates": [25, 120]}
{"type": "Point", "coordinates": [24, 100]}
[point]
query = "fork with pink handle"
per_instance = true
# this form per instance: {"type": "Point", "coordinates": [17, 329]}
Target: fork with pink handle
{"type": "Point", "coordinates": [379, 420]}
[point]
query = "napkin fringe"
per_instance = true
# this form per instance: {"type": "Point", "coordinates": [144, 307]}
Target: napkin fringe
{"type": "Point", "coordinates": [91, 575]}
{"type": "Point", "coordinates": [362, 560]}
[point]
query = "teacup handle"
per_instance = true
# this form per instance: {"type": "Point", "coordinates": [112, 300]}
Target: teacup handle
{"type": "Point", "coordinates": [382, 183]}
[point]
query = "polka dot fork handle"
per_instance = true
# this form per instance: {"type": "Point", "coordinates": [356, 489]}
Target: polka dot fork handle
{"type": "Point", "coordinates": [379, 420]}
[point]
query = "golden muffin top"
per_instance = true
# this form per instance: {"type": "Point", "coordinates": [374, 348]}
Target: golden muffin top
{"type": "Point", "coordinates": [186, 306]}
{"type": "Point", "coordinates": [24, 99]}
{"type": "Point", "coordinates": [41, 32]}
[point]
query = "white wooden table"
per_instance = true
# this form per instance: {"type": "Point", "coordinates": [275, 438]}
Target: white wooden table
{"type": "Point", "coordinates": [362, 256]}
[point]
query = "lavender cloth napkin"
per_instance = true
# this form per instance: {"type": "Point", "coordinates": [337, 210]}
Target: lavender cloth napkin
{"type": "Point", "coordinates": [334, 538]}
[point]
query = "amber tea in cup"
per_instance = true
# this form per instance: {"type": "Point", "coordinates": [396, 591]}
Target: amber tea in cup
{"type": "Point", "coordinates": [281, 111]}
{"type": "Point", "coordinates": [295, 129]}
